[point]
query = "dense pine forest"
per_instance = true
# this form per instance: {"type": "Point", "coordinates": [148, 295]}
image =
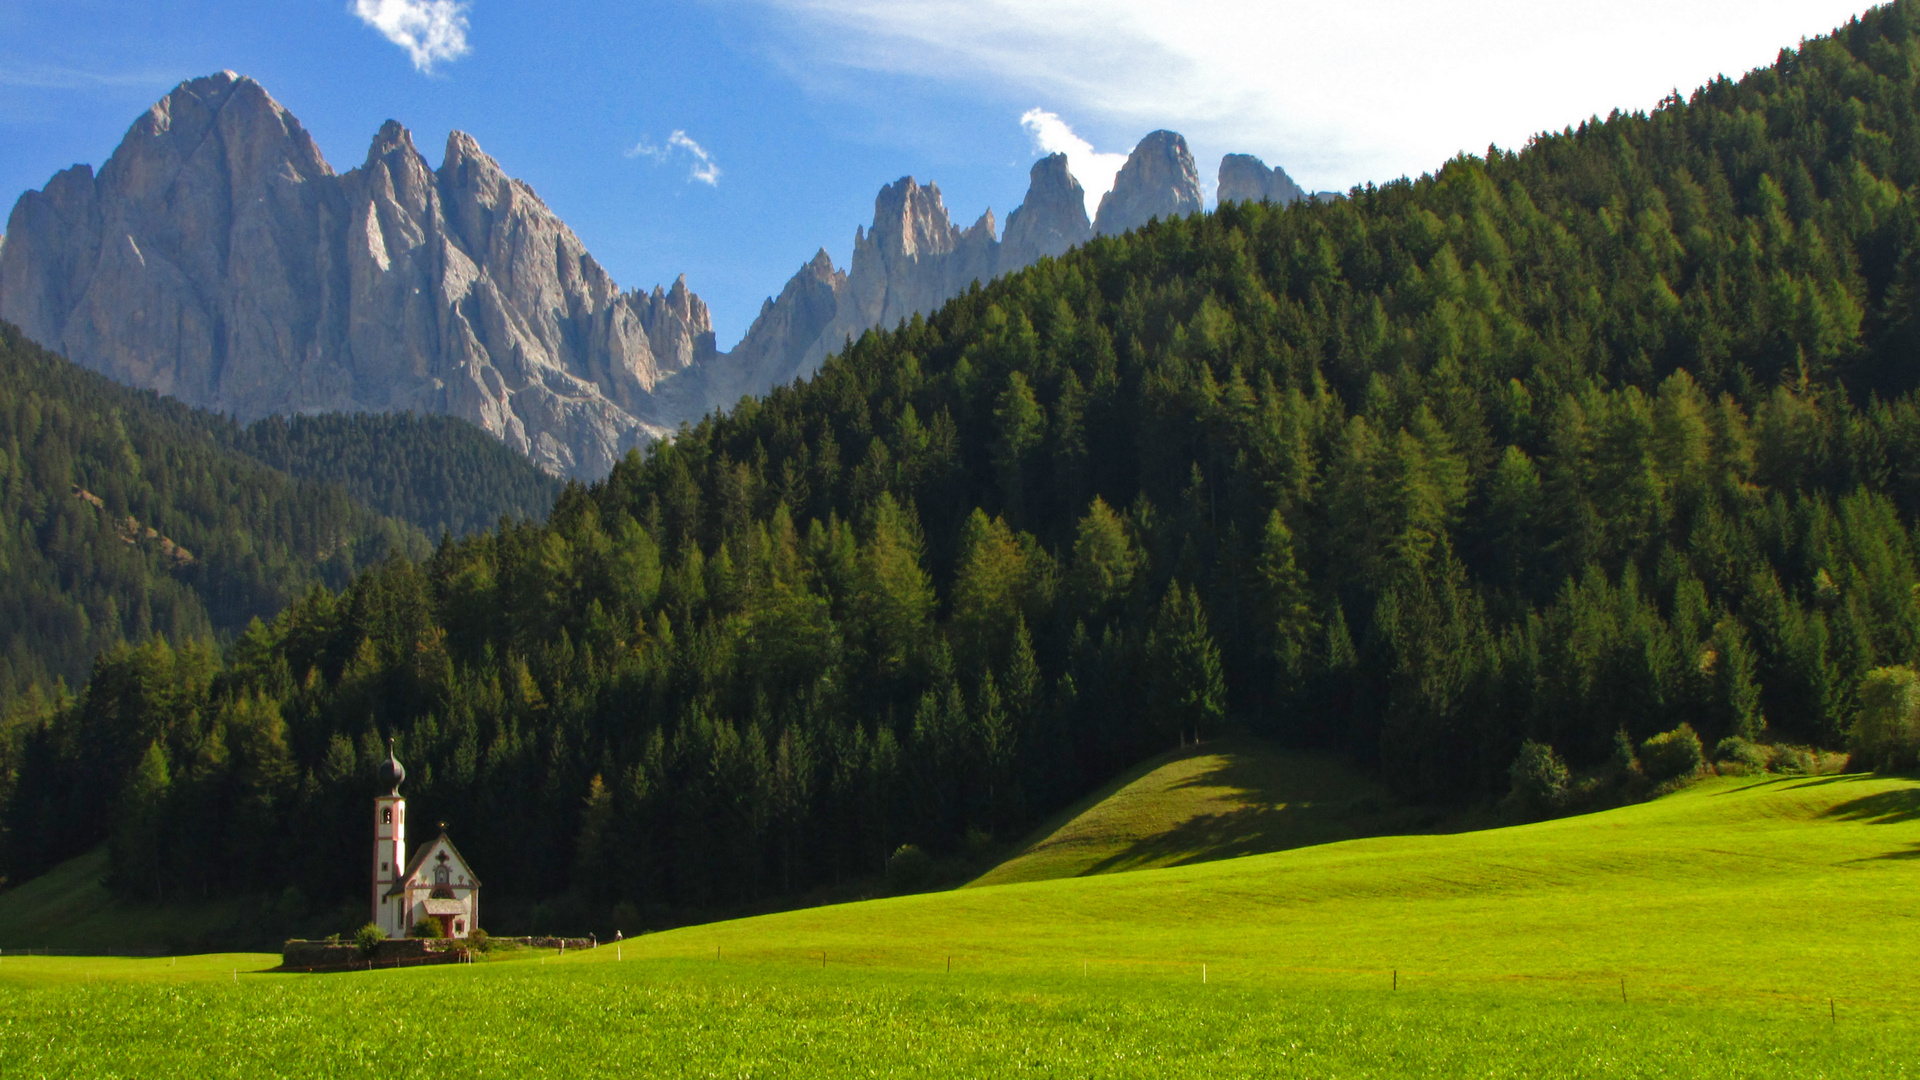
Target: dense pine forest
{"type": "Point", "coordinates": [1611, 433]}
{"type": "Point", "coordinates": [124, 515]}
{"type": "Point", "coordinates": [128, 515]}
{"type": "Point", "coordinates": [439, 473]}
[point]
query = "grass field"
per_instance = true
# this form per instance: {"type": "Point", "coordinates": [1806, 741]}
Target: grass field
{"type": "Point", "coordinates": [1757, 927]}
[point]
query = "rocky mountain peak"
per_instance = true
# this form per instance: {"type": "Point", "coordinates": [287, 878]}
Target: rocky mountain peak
{"type": "Point", "coordinates": [207, 126]}
{"type": "Point", "coordinates": [1051, 219]}
{"type": "Point", "coordinates": [191, 105]}
{"type": "Point", "coordinates": [1245, 178]}
{"type": "Point", "coordinates": [682, 304]}
{"type": "Point", "coordinates": [217, 257]}
{"type": "Point", "coordinates": [466, 166]}
{"type": "Point", "coordinates": [392, 138]}
{"type": "Point", "coordinates": [911, 221]}
{"type": "Point", "coordinates": [1158, 181]}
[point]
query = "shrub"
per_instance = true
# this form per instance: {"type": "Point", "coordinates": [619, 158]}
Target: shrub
{"type": "Point", "coordinates": [1885, 734]}
{"type": "Point", "coordinates": [478, 941]}
{"type": "Point", "coordinates": [1623, 762]}
{"type": "Point", "coordinates": [1539, 778]}
{"type": "Point", "coordinates": [1735, 756]}
{"type": "Point", "coordinates": [1671, 755]}
{"type": "Point", "coordinates": [908, 868]}
{"type": "Point", "coordinates": [368, 938]}
{"type": "Point", "coordinates": [1807, 761]}
{"type": "Point", "coordinates": [427, 928]}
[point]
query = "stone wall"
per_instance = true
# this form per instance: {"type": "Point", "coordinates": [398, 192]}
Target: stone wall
{"type": "Point", "coordinates": [346, 956]}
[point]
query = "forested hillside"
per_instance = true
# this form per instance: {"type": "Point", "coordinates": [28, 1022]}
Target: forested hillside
{"type": "Point", "coordinates": [124, 515]}
{"type": "Point", "coordinates": [440, 473]}
{"type": "Point", "coordinates": [1610, 433]}
{"type": "Point", "coordinates": [129, 515]}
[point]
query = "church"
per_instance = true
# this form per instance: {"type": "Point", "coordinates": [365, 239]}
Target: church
{"type": "Point", "coordinates": [437, 884]}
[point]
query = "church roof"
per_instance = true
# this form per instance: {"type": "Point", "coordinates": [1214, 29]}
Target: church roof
{"type": "Point", "coordinates": [420, 856]}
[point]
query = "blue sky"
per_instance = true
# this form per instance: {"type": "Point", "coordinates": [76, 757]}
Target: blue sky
{"type": "Point", "coordinates": [803, 108]}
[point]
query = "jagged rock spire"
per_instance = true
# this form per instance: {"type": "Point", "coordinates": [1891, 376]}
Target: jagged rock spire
{"type": "Point", "coordinates": [1158, 181]}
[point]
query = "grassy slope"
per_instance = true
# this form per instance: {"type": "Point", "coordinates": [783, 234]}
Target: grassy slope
{"type": "Point", "coordinates": [1733, 910]}
{"type": "Point", "coordinates": [68, 908]}
{"type": "Point", "coordinates": [1230, 797]}
{"type": "Point", "coordinates": [1753, 888]}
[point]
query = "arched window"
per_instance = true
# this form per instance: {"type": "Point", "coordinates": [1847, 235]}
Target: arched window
{"type": "Point", "coordinates": [386, 816]}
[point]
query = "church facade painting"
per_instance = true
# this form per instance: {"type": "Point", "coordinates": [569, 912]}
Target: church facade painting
{"type": "Point", "coordinates": [436, 884]}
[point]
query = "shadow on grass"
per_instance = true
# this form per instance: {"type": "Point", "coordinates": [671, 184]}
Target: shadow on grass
{"type": "Point", "coordinates": [1842, 778]}
{"type": "Point", "coordinates": [1881, 808]}
{"type": "Point", "coordinates": [1300, 804]}
{"type": "Point", "coordinates": [1796, 781]}
{"type": "Point", "coordinates": [1912, 852]}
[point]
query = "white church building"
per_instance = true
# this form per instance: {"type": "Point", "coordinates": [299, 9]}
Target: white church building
{"type": "Point", "coordinates": [435, 884]}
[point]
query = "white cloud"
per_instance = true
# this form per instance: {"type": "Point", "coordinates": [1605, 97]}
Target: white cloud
{"type": "Point", "coordinates": [56, 77]}
{"type": "Point", "coordinates": [430, 30]}
{"type": "Point", "coordinates": [1095, 171]}
{"type": "Point", "coordinates": [1338, 93]}
{"type": "Point", "coordinates": [647, 150]}
{"type": "Point", "coordinates": [704, 168]}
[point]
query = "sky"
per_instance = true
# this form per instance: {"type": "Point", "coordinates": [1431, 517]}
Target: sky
{"type": "Point", "coordinates": [730, 139]}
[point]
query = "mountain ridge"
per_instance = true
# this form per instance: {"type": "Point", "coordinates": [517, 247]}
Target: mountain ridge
{"type": "Point", "coordinates": [217, 257]}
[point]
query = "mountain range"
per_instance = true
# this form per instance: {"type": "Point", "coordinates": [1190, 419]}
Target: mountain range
{"type": "Point", "coordinates": [218, 258]}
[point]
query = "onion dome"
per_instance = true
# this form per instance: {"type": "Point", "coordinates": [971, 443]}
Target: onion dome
{"type": "Point", "coordinates": [391, 773]}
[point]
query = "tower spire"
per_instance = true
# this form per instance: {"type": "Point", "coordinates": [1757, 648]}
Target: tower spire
{"type": "Point", "coordinates": [389, 845]}
{"type": "Point", "coordinates": [392, 774]}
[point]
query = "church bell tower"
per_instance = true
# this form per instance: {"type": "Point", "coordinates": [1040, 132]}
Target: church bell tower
{"type": "Point", "coordinates": [389, 848]}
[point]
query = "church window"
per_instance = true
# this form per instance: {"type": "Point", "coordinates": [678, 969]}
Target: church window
{"type": "Point", "coordinates": [386, 816]}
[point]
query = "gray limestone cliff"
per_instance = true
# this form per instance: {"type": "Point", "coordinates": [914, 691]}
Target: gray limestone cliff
{"type": "Point", "coordinates": [912, 260]}
{"type": "Point", "coordinates": [1052, 219]}
{"type": "Point", "coordinates": [1158, 181]}
{"type": "Point", "coordinates": [1245, 178]}
{"type": "Point", "coordinates": [216, 257]}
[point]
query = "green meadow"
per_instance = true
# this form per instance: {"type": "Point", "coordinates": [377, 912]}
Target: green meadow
{"type": "Point", "coordinates": [1760, 926]}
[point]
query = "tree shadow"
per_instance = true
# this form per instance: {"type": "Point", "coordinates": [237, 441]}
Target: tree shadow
{"type": "Point", "coordinates": [1880, 808]}
{"type": "Point", "coordinates": [1795, 781]}
{"type": "Point", "coordinates": [1300, 802]}
{"type": "Point", "coordinates": [1912, 851]}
